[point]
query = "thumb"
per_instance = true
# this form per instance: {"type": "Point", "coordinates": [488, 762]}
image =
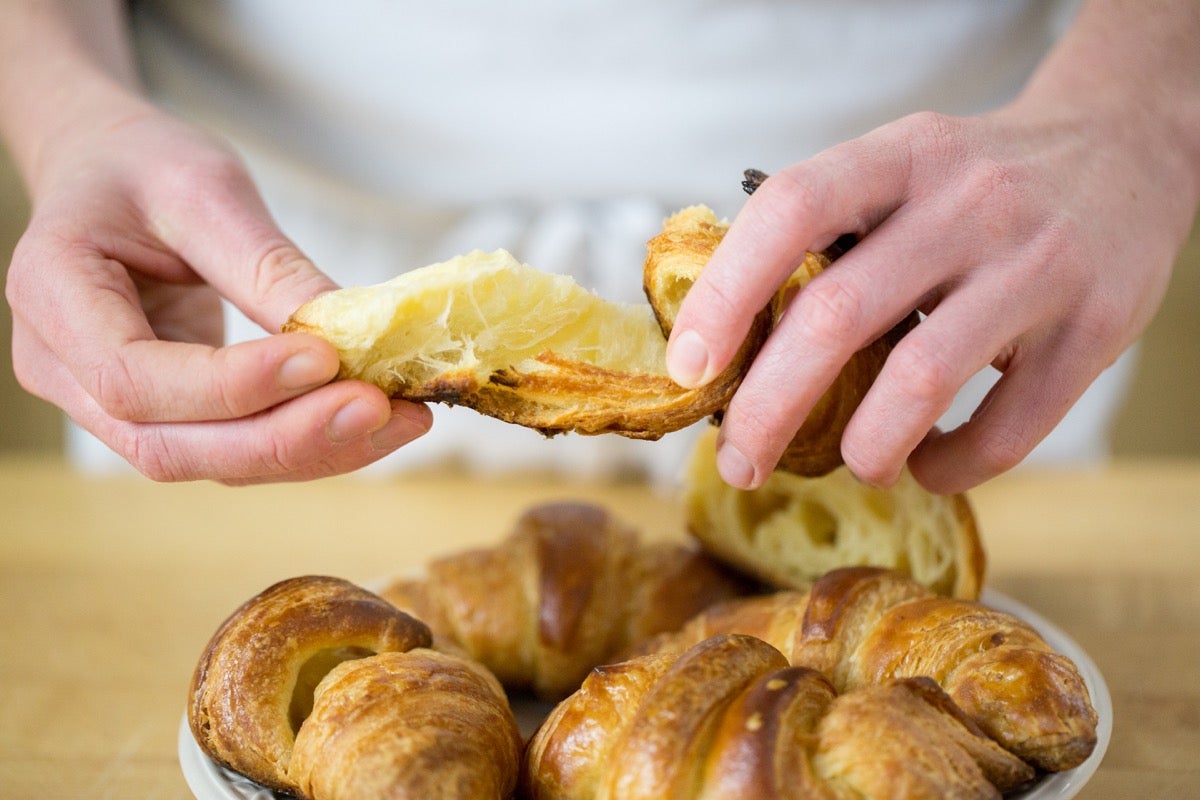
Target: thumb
{"type": "Point", "coordinates": [221, 227]}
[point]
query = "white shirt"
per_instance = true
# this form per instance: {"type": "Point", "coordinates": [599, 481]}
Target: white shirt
{"type": "Point", "coordinates": [386, 135]}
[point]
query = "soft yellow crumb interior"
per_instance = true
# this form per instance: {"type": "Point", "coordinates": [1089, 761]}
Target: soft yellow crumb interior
{"type": "Point", "coordinates": [480, 312]}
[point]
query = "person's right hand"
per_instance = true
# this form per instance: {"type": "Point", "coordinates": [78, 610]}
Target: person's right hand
{"type": "Point", "coordinates": [140, 224]}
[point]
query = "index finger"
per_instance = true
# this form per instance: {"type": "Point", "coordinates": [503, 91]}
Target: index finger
{"type": "Point", "coordinates": [805, 207]}
{"type": "Point", "coordinates": [211, 214]}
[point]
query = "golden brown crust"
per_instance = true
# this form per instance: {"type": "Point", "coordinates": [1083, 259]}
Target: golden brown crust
{"type": "Point", "coordinates": [664, 746]}
{"type": "Point", "coordinates": [416, 724]}
{"type": "Point", "coordinates": [841, 608]}
{"type": "Point", "coordinates": [762, 747]}
{"type": "Point", "coordinates": [792, 530]}
{"type": "Point", "coordinates": [575, 382]}
{"type": "Point", "coordinates": [921, 746]}
{"type": "Point", "coordinates": [251, 684]}
{"type": "Point", "coordinates": [816, 448]}
{"type": "Point", "coordinates": [728, 718]}
{"type": "Point", "coordinates": [582, 379]}
{"type": "Point", "coordinates": [569, 588]}
{"type": "Point", "coordinates": [864, 626]}
{"type": "Point", "coordinates": [996, 667]}
{"type": "Point", "coordinates": [675, 258]}
{"type": "Point", "coordinates": [281, 661]}
{"type": "Point", "coordinates": [567, 756]}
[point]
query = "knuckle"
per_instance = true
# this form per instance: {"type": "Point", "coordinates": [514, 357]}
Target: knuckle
{"type": "Point", "coordinates": [278, 263]}
{"type": "Point", "coordinates": [829, 313]}
{"type": "Point", "coordinates": [226, 396]}
{"type": "Point", "coordinates": [755, 427]}
{"type": "Point", "coordinates": [146, 449]}
{"type": "Point", "coordinates": [932, 135]}
{"type": "Point", "coordinates": [37, 254]}
{"type": "Point", "coordinates": [28, 368]}
{"type": "Point", "coordinates": [996, 186]}
{"type": "Point", "coordinates": [720, 302]}
{"type": "Point", "coordinates": [16, 280]}
{"type": "Point", "coordinates": [923, 373]}
{"type": "Point", "coordinates": [868, 463]}
{"type": "Point", "coordinates": [1000, 447]}
{"type": "Point", "coordinates": [793, 194]}
{"type": "Point", "coordinates": [1104, 323]}
{"type": "Point", "coordinates": [115, 391]}
{"type": "Point", "coordinates": [212, 172]}
{"type": "Point", "coordinates": [278, 457]}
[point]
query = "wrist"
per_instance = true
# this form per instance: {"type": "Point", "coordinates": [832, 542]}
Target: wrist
{"type": "Point", "coordinates": [1129, 75]}
{"type": "Point", "coordinates": [63, 66]}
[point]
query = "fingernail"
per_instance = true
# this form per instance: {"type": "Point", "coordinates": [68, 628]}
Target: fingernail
{"type": "Point", "coordinates": [409, 421]}
{"type": "Point", "coordinates": [687, 359]}
{"type": "Point", "coordinates": [735, 468]}
{"type": "Point", "coordinates": [303, 370]}
{"type": "Point", "coordinates": [352, 420]}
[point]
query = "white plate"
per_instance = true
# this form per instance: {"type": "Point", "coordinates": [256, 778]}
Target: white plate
{"type": "Point", "coordinates": [211, 782]}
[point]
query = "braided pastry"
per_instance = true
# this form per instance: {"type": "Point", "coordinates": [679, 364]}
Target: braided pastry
{"type": "Point", "coordinates": [569, 588]}
{"type": "Point", "coordinates": [729, 718]}
{"type": "Point", "coordinates": [792, 529]}
{"type": "Point", "coordinates": [864, 626]}
{"type": "Point", "coordinates": [321, 689]}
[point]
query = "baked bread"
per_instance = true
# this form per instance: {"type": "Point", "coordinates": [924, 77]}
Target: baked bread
{"type": "Point", "coordinates": [673, 263]}
{"type": "Point", "coordinates": [419, 724]}
{"type": "Point", "coordinates": [323, 690]}
{"type": "Point", "coordinates": [569, 588]}
{"type": "Point", "coordinates": [863, 626]}
{"type": "Point", "coordinates": [815, 449]}
{"type": "Point", "coordinates": [485, 331]}
{"type": "Point", "coordinates": [794, 529]}
{"type": "Point", "coordinates": [729, 718]}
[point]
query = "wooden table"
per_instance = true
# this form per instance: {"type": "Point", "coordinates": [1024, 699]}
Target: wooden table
{"type": "Point", "coordinates": [109, 588]}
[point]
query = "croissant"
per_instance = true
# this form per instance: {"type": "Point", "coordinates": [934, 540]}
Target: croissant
{"type": "Point", "coordinates": [323, 690]}
{"type": "Point", "coordinates": [792, 530]}
{"type": "Point", "coordinates": [815, 449]}
{"type": "Point", "coordinates": [685, 244]}
{"type": "Point", "coordinates": [862, 626]}
{"type": "Point", "coordinates": [729, 718]}
{"type": "Point", "coordinates": [569, 588]}
{"type": "Point", "coordinates": [485, 331]}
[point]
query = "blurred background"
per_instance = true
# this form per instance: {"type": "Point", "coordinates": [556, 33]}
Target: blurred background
{"type": "Point", "coordinates": [1159, 416]}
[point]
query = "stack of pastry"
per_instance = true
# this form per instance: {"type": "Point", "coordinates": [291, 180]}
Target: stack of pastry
{"type": "Point", "coordinates": [814, 638]}
{"type": "Point", "coordinates": [678, 680]}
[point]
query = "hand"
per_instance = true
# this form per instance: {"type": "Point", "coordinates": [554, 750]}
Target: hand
{"type": "Point", "coordinates": [1036, 239]}
{"type": "Point", "coordinates": [140, 225]}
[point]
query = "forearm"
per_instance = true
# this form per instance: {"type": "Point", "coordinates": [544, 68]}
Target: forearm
{"type": "Point", "coordinates": [62, 62]}
{"type": "Point", "coordinates": [1133, 63]}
